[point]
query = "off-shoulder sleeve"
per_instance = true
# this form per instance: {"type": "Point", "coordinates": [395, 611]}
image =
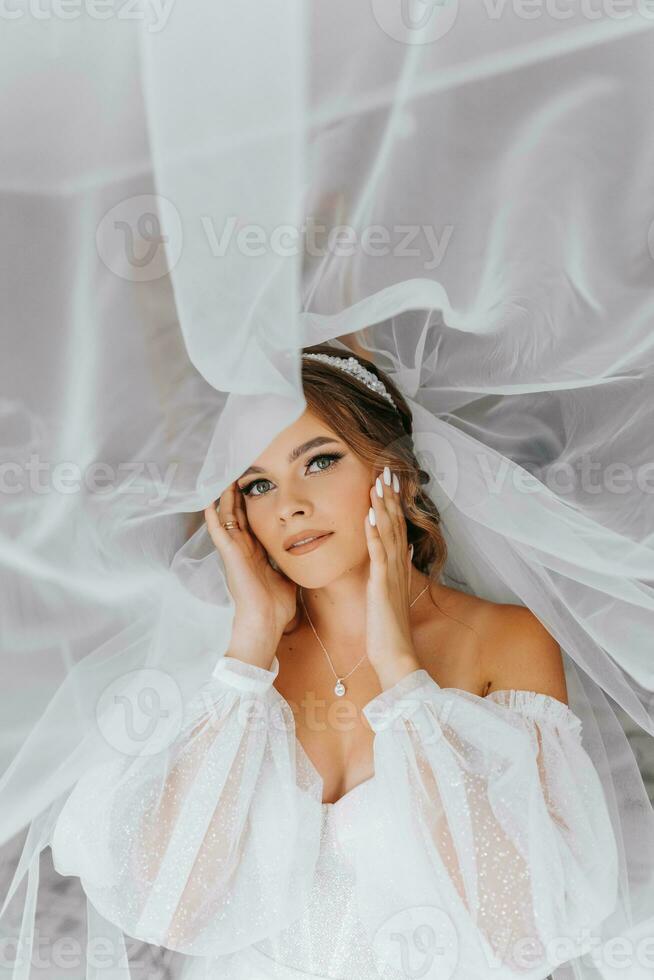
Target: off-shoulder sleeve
{"type": "Point", "coordinates": [495, 817]}
{"type": "Point", "coordinates": [211, 844]}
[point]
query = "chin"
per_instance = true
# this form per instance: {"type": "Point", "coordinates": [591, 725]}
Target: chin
{"type": "Point", "coordinates": [318, 575]}
{"type": "Point", "coordinates": [311, 581]}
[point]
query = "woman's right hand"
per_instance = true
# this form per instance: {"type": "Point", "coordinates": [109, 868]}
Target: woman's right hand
{"type": "Point", "coordinates": [264, 599]}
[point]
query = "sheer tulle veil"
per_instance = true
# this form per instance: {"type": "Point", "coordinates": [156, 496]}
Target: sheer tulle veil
{"type": "Point", "coordinates": [190, 201]}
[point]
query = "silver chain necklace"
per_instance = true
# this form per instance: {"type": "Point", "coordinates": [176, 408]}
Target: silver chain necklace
{"type": "Point", "coordinates": [339, 686]}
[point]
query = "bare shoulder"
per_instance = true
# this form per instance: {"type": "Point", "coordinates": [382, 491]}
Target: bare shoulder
{"type": "Point", "coordinates": [518, 652]}
{"type": "Point", "coordinates": [448, 640]}
{"type": "Point", "coordinates": [490, 646]}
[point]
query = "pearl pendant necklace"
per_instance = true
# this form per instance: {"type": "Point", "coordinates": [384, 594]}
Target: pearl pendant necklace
{"type": "Point", "coordinates": [339, 687]}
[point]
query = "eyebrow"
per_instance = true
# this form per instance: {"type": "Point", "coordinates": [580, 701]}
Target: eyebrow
{"type": "Point", "coordinates": [295, 453]}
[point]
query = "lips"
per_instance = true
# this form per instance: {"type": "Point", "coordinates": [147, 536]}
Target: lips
{"type": "Point", "coordinates": [304, 538]}
{"type": "Point", "coordinates": [306, 541]}
{"type": "Point", "coordinates": [303, 549]}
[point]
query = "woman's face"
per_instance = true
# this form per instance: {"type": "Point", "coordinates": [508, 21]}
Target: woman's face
{"type": "Point", "coordinates": [301, 490]}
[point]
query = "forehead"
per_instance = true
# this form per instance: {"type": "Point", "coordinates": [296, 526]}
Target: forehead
{"type": "Point", "coordinates": [306, 433]}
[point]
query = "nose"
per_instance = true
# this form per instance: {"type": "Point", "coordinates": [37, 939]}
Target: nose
{"type": "Point", "coordinates": [291, 504]}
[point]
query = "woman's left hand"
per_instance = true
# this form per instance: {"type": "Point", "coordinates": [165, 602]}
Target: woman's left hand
{"type": "Point", "coordinates": [388, 627]}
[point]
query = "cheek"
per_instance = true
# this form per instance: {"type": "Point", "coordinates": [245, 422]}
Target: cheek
{"type": "Point", "coordinates": [353, 499]}
{"type": "Point", "coordinates": [257, 520]}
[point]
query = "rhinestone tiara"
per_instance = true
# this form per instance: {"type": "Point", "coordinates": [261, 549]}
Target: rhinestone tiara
{"type": "Point", "coordinates": [353, 367]}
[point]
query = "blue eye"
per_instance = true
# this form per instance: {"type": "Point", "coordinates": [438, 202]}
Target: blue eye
{"type": "Point", "coordinates": [332, 459]}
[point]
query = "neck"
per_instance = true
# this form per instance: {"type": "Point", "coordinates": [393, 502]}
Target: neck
{"type": "Point", "coordinates": [338, 610]}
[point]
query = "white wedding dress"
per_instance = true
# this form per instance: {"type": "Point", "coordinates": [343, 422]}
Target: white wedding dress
{"type": "Point", "coordinates": [481, 847]}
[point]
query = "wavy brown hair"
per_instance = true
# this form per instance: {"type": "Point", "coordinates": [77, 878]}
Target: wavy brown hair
{"type": "Point", "coordinates": [381, 436]}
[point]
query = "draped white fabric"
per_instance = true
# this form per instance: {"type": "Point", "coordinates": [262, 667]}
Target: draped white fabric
{"type": "Point", "coordinates": [188, 198]}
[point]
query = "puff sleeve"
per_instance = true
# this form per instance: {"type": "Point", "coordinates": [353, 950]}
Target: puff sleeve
{"type": "Point", "coordinates": [494, 819]}
{"type": "Point", "coordinates": [211, 844]}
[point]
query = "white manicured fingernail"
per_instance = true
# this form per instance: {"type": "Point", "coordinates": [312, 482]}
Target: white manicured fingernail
{"type": "Point", "coordinates": [396, 483]}
{"type": "Point", "coordinates": [371, 517]}
{"type": "Point", "coordinates": [380, 489]}
{"type": "Point", "coordinates": [387, 476]}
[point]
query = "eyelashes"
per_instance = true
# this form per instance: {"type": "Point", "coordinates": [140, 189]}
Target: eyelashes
{"type": "Point", "coordinates": [332, 457]}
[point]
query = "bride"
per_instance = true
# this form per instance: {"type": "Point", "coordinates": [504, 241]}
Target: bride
{"type": "Point", "coordinates": [382, 777]}
{"type": "Point", "coordinates": [336, 506]}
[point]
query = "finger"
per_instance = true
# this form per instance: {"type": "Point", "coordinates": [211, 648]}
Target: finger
{"type": "Point", "coordinates": [391, 523]}
{"type": "Point", "coordinates": [385, 522]}
{"type": "Point", "coordinates": [376, 549]}
{"type": "Point", "coordinates": [246, 533]}
{"type": "Point", "coordinates": [219, 535]}
{"type": "Point", "coordinates": [394, 497]}
{"type": "Point", "coordinates": [227, 508]}
{"type": "Point", "coordinates": [239, 509]}
{"type": "Point", "coordinates": [216, 517]}
{"type": "Point", "coordinates": [396, 510]}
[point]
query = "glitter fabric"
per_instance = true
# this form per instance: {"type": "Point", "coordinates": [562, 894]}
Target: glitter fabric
{"type": "Point", "coordinates": [482, 846]}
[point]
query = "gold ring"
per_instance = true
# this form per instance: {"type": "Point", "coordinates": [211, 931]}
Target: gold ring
{"type": "Point", "coordinates": [230, 525]}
